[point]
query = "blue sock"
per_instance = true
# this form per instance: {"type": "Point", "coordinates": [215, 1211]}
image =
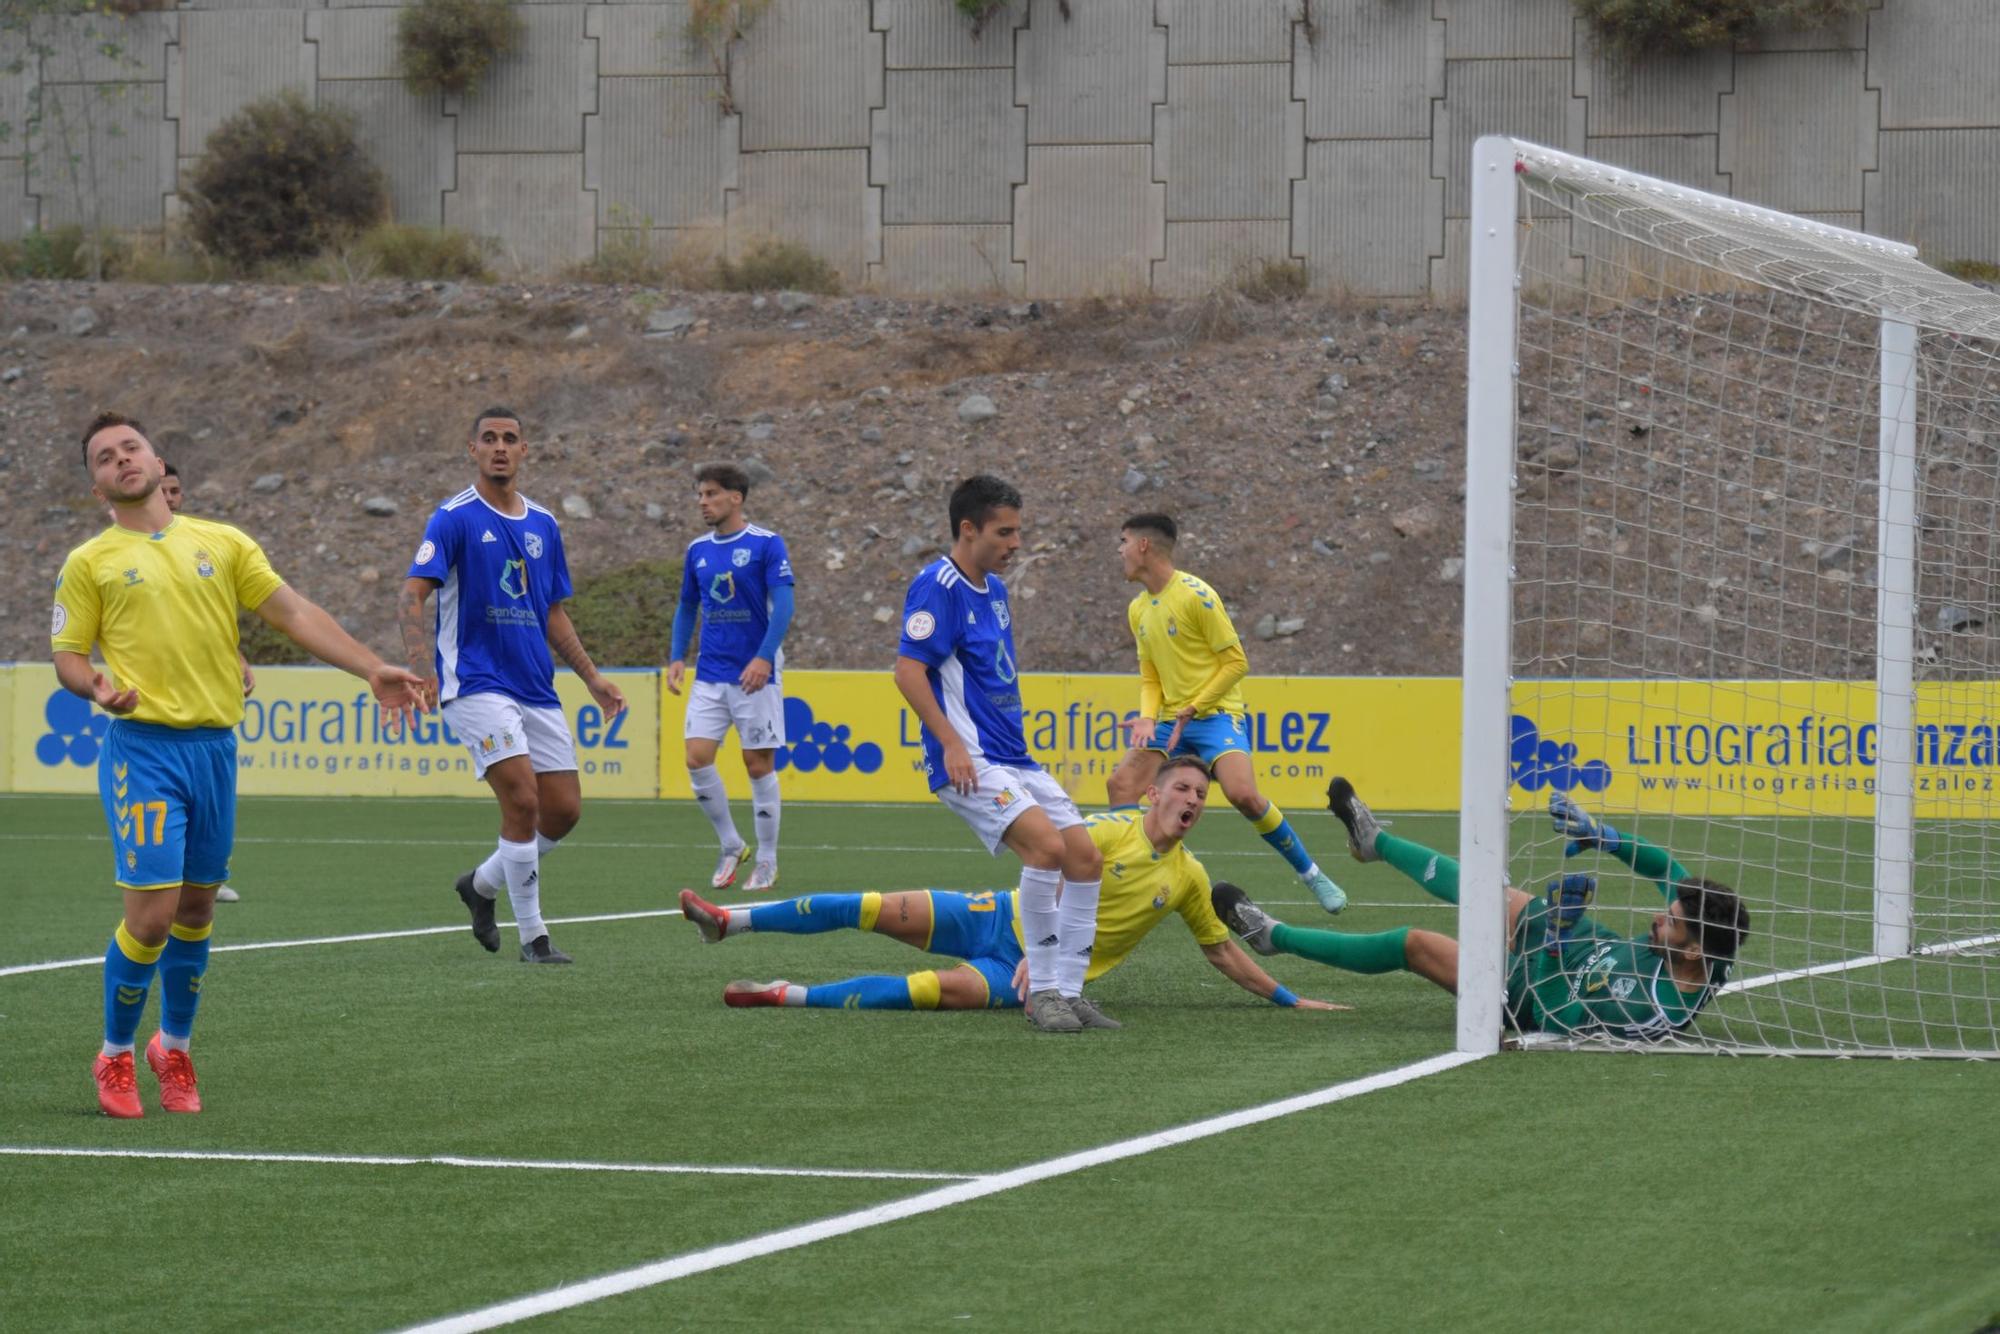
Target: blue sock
{"type": "Point", "coordinates": [812, 914]}
{"type": "Point", "coordinates": [182, 963]}
{"type": "Point", "coordinates": [1276, 830]}
{"type": "Point", "coordinates": [128, 975]}
{"type": "Point", "coordinates": [861, 993]}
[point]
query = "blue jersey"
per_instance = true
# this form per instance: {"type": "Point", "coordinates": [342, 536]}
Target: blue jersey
{"type": "Point", "coordinates": [964, 634]}
{"type": "Point", "coordinates": [498, 576]}
{"type": "Point", "coordinates": [729, 579]}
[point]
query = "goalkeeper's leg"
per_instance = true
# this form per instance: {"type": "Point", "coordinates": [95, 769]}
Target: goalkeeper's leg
{"type": "Point", "coordinates": [1435, 873]}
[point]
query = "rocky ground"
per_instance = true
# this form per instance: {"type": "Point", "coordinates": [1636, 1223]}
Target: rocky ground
{"type": "Point", "coordinates": [1312, 452]}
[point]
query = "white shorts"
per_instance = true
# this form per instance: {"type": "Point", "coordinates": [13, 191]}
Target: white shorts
{"type": "Point", "coordinates": [759, 719]}
{"type": "Point", "coordinates": [1003, 795]}
{"type": "Point", "coordinates": [499, 727]}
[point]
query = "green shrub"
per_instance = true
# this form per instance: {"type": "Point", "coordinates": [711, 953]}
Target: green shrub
{"type": "Point", "coordinates": [627, 615]}
{"type": "Point", "coordinates": [1636, 28]}
{"type": "Point", "coordinates": [65, 252]}
{"type": "Point", "coordinates": [282, 180]}
{"type": "Point", "coordinates": [1971, 270]}
{"type": "Point", "coordinates": [1271, 280]}
{"type": "Point", "coordinates": [624, 255]}
{"type": "Point", "coordinates": [401, 250]}
{"type": "Point", "coordinates": [446, 46]}
{"type": "Point", "coordinates": [770, 266]}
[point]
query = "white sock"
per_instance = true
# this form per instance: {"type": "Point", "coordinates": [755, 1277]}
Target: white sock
{"type": "Point", "coordinates": [490, 877]}
{"type": "Point", "coordinates": [794, 994]}
{"type": "Point", "coordinates": [713, 799]}
{"type": "Point", "coordinates": [1306, 876]}
{"type": "Point", "coordinates": [1076, 925]}
{"type": "Point", "coordinates": [764, 811]}
{"type": "Point", "coordinates": [172, 1043]}
{"type": "Point", "coordinates": [125, 1048]}
{"type": "Point", "coordinates": [1039, 927]}
{"type": "Point", "coordinates": [524, 887]}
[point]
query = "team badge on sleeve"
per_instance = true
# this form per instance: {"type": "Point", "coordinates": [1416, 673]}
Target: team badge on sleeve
{"type": "Point", "coordinates": [58, 620]}
{"type": "Point", "coordinates": [920, 625]}
{"type": "Point", "coordinates": [426, 551]}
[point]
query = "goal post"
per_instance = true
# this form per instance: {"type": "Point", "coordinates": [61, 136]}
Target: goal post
{"type": "Point", "coordinates": [1732, 551]}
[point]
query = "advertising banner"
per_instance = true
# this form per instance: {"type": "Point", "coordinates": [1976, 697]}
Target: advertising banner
{"type": "Point", "coordinates": [314, 731]}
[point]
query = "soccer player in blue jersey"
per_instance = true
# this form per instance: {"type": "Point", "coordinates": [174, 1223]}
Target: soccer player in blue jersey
{"type": "Point", "coordinates": [956, 667]}
{"type": "Point", "coordinates": [159, 593]}
{"type": "Point", "coordinates": [736, 579]}
{"type": "Point", "coordinates": [495, 559]}
{"type": "Point", "coordinates": [1191, 669]}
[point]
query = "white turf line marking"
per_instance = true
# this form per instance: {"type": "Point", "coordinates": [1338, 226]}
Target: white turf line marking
{"type": "Point", "coordinates": [930, 1201]}
{"type": "Point", "coordinates": [56, 964]}
{"type": "Point", "coordinates": [1942, 947]}
{"type": "Point", "coordinates": [452, 1160]}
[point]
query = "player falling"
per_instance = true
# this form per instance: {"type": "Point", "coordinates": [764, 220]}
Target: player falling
{"type": "Point", "coordinates": [1150, 876]}
{"type": "Point", "coordinates": [159, 592]}
{"type": "Point", "coordinates": [1191, 670]}
{"type": "Point", "coordinates": [737, 578]}
{"type": "Point", "coordinates": [957, 669]}
{"type": "Point", "coordinates": [498, 557]}
{"type": "Point", "coordinates": [1565, 973]}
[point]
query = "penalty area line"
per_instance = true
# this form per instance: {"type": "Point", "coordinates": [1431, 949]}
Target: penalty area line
{"type": "Point", "coordinates": [454, 1160]}
{"type": "Point", "coordinates": [926, 1202]}
{"type": "Point", "coordinates": [55, 965]}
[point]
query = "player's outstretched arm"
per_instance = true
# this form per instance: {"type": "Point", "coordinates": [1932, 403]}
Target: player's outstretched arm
{"type": "Point", "coordinates": [397, 690]}
{"type": "Point", "coordinates": [80, 676]}
{"type": "Point", "coordinates": [569, 647]}
{"type": "Point", "coordinates": [1585, 831]}
{"type": "Point", "coordinates": [1230, 960]}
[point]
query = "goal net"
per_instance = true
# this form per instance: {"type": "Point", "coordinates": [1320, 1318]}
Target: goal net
{"type": "Point", "coordinates": [1733, 585]}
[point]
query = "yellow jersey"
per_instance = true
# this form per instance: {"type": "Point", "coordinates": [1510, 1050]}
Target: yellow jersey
{"type": "Point", "coordinates": [1182, 632]}
{"type": "Point", "coordinates": [1141, 889]}
{"type": "Point", "coordinates": [163, 605]}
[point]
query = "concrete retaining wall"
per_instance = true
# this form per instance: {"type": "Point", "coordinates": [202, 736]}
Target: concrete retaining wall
{"type": "Point", "coordinates": [1141, 145]}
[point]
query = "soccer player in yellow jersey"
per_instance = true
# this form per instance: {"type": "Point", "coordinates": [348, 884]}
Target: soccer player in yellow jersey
{"type": "Point", "coordinates": [159, 593]}
{"type": "Point", "coordinates": [1191, 670]}
{"type": "Point", "coordinates": [1148, 877]}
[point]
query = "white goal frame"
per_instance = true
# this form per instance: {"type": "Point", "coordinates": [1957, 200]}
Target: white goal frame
{"type": "Point", "coordinates": [1491, 444]}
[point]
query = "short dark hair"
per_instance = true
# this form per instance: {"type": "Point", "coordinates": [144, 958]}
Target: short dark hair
{"type": "Point", "coordinates": [1716, 915]}
{"type": "Point", "coordinates": [171, 470]}
{"type": "Point", "coordinates": [104, 421]}
{"type": "Point", "coordinates": [499, 411]}
{"type": "Point", "coordinates": [1178, 762]}
{"type": "Point", "coordinates": [976, 498]}
{"type": "Point", "coordinates": [725, 475]}
{"type": "Point", "coordinates": [1159, 527]}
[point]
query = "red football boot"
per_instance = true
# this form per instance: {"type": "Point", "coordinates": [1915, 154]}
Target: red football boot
{"type": "Point", "coordinates": [176, 1072]}
{"type": "Point", "coordinates": [117, 1086]}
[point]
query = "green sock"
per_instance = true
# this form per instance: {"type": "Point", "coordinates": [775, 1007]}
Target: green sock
{"type": "Point", "coordinates": [1649, 859]}
{"type": "Point", "coordinates": [1436, 873]}
{"type": "Point", "coordinates": [1381, 952]}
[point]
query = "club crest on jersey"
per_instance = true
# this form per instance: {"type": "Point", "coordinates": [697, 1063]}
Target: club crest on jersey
{"type": "Point", "coordinates": [1000, 610]}
{"type": "Point", "coordinates": [1159, 901]}
{"type": "Point", "coordinates": [722, 588]}
{"type": "Point", "coordinates": [740, 557]}
{"type": "Point", "coordinates": [514, 579]}
{"type": "Point", "coordinates": [203, 566]}
{"type": "Point", "coordinates": [426, 551]}
{"type": "Point", "coordinates": [920, 625]}
{"type": "Point", "coordinates": [1622, 987]}
{"type": "Point", "coordinates": [534, 544]}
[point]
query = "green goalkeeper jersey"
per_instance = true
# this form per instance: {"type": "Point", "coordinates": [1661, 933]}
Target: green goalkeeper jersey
{"type": "Point", "coordinates": [1601, 983]}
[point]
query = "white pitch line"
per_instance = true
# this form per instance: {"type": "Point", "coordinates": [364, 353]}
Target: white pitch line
{"type": "Point", "coordinates": [930, 1201]}
{"type": "Point", "coordinates": [453, 1160]}
{"type": "Point", "coordinates": [55, 965]}
{"type": "Point", "coordinates": [1849, 965]}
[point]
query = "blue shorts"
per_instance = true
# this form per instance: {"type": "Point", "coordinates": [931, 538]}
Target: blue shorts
{"type": "Point", "coordinates": [1207, 739]}
{"type": "Point", "coordinates": [170, 800]}
{"type": "Point", "coordinates": [979, 928]}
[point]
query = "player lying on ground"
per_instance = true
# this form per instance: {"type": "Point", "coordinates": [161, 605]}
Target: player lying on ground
{"type": "Point", "coordinates": [1147, 875]}
{"type": "Point", "coordinates": [1565, 973]}
{"type": "Point", "coordinates": [1191, 670]}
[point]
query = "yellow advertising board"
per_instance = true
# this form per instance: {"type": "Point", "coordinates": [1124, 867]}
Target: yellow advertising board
{"type": "Point", "coordinates": [1693, 748]}
{"type": "Point", "coordinates": [314, 731]}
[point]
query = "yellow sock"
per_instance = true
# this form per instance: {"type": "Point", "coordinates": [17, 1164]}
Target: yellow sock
{"type": "Point", "coordinates": [1269, 820]}
{"type": "Point", "coordinates": [871, 908]}
{"type": "Point", "coordinates": [191, 933]}
{"type": "Point", "coordinates": [129, 946]}
{"type": "Point", "coordinates": [925, 988]}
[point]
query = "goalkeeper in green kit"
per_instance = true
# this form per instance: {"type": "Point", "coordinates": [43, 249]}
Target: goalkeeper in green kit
{"type": "Point", "coordinates": [1565, 973]}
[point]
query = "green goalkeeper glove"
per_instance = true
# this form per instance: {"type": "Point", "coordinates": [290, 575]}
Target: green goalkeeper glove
{"type": "Point", "coordinates": [1567, 899]}
{"type": "Point", "coordinates": [1583, 829]}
